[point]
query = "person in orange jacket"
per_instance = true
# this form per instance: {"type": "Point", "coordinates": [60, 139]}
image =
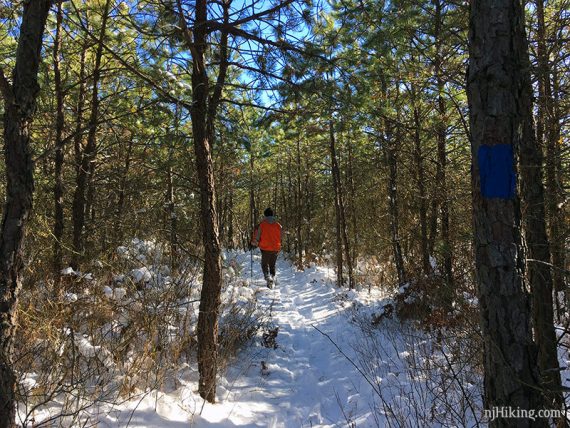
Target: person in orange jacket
{"type": "Point", "coordinates": [267, 236]}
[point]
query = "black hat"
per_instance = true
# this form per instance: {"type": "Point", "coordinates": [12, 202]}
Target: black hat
{"type": "Point", "coordinates": [268, 212]}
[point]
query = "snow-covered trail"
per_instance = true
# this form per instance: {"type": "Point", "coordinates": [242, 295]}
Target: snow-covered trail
{"type": "Point", "coordinates": [305, 381]}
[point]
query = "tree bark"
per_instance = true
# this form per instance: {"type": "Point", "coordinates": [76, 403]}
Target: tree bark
{"type": "Point", "coordinates": [495, 78]}
{"type": "Point", "coordinates": [212, 281]}
{"type": "Point", "coordinates": [203, 114]}
{"type": "Point", "coordinates": [19, 107]}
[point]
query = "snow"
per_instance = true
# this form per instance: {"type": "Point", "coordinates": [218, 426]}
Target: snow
{"type": "Point", "coordinates": [68, 271]}
{"type": "Point", "coordinates": [332, 357]}
{"type": "Point", "coordinates": [141, 275]}
{"type": "Point", "coordinates": [70, 297]}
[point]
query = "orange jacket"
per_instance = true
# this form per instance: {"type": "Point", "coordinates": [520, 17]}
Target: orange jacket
{"type": "Point", "coordinates": [268, 235]}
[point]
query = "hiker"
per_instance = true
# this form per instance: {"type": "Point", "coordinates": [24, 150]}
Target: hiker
{"type": "Point", "coordinates": [267, 236]}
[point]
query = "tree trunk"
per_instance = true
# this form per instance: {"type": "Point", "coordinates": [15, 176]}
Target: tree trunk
{"type": "Point", "coordinates": [496, 64]}
{"type": "Point", "coordinates": [299, 207]}
{"type": "Point", "coordinates": [19, 107]}
{"type": "Point", "coordinates": [286, 215]}
{"type": "Point", "coordinates": [421, 180]}
{"type": "Point", "coordinates": [390, 153]}
{"type": "Point", "coordinates": [119, 225]}
{"type": "Point", "coordinates": [231, 243]}
{"type": "Point", "coordinates": [539, 274]}
{"type": "Point", "coordinates": [203, 113]}
{"type": "Point", "coordinates": [308, 209]}
{"type": "Point", "coordinates": [344, 228]}
{"type": "Point", "coordinates": [86, 165]}
{"type": "Point", "coordinates": [171, 210]}
{"type": "Point", "coordinates": [253, 211]}
{"type": "Point", "coordinates": [392, 161]}
{"type": "Point", "coordinates": [341, 227]}
{"type": "Point", "coordinates": [212, 281]}
{"type": "Point", "coordinates": [548, 133]}
{"type": "Point", "coordinates": [441, 180]}
{"type": "Point", "coordinates": [58, 190]}
{"type": "Point", "coordinates": [337, 209]}
{"type": "Point", "coordinates": [78, 134]}
{"type": "Point", "coordinates": [352, 203]}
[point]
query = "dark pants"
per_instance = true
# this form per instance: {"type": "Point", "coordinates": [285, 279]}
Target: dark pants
{"type": "Point", "coordinates": [268, 259]}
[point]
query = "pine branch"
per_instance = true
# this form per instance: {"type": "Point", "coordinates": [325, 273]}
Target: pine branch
{"type": "Point", "coordinates": [261, 107]}
{"type": "Point", "coordinates": [132, 68]}
{"type": "Point", "coordinates": [261, 14]}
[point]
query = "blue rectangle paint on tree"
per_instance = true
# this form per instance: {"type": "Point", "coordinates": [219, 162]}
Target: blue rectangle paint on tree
{"type": "Point", "coordinates": [496, 171]}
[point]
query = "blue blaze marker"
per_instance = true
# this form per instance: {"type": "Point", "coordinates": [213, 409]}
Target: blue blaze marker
{"type": "Point", "coordinates": [496, 172]}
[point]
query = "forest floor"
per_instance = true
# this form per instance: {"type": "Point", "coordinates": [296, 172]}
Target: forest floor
{"type": "Point", "coordinates": [322, 368]}
{"type": "Point", "coordinates": [323, 357]}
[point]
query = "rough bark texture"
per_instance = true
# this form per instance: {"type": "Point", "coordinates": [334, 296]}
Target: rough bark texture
{"type": "Point", "coordinates": [497, 46]}
{"type": "Point", "coordinates": [19, 107]}
{"type": "Point", "coordinates": [203, 113]}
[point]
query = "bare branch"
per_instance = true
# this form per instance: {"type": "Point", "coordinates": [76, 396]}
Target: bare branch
{"type": "Point", "coordinates": [238, 32]}
{"type": "Point", "coordinates": [186, 32]}
{"type": "Point", "coordinates": [261, 14]}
